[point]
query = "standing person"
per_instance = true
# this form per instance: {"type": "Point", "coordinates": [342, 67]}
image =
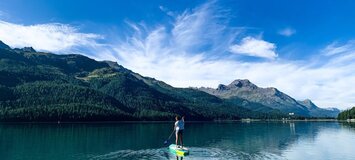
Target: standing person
{"type": "Point", "coordinates": [179, 129]}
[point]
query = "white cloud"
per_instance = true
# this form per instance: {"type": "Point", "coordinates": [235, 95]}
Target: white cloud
{"type": "Point", "coordinates": [52, 37]}
{"type": "Point", "coordinates": [179, 56]}
{"type": "Point", "coordinates": [337, 48]}
{"type": "Point", "coordinates": [255, 47]}
{"type": "Point", "coordinates": [167, 11]}
{"type": "Point", "coordinates": [4, 15]}
{"type": "Point", "coordinates": [287, 32]}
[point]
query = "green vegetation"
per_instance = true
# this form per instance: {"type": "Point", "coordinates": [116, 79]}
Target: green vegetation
{"type": "Point", "coordinates": [347, 114]}
{"type": "Point", "coordinates": [37, 86]}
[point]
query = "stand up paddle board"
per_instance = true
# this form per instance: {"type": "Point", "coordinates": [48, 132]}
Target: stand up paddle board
{"type": "Point", "coordinates": [178, 151]}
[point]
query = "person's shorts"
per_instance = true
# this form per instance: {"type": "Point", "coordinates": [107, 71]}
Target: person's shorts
{"type": "Point", "coordinates": [179, 132]}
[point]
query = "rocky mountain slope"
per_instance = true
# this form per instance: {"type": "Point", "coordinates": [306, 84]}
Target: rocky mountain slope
{"type": "Point", "coordinates": [243, 91]}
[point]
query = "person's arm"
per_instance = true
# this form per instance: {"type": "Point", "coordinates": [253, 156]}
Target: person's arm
{"type": "Point", "coordinates": [183, 118]}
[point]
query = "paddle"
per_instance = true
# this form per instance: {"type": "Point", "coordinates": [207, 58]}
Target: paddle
{"type": "Point", "coordinates": [166, 141]}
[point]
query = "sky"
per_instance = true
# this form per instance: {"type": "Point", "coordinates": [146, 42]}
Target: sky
{"type": "Point", "coordinates": [304, 48]}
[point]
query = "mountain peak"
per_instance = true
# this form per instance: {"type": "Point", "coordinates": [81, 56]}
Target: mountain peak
{"type": "Point", "coordinates": [3, 45]}
{"type": "Point", "coordinates": [28, 49]}
{"type": "Point", "coordinates": [25, 49]}
{"type": "Point", "coordinates": [239, 83]}
{"type": "Point", "coordinates": [308, 103]}
{"type": "Point", "coordinates": [332, 109]}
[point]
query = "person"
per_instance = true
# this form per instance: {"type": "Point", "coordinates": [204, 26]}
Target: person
{"type": "Point", "coordinates": [179, 129]}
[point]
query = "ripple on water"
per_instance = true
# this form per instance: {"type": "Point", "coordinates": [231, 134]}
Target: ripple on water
{"type": "Point", "coordinates": [134, 154]}
{"type": "Point", "coordinates": [195, 154]}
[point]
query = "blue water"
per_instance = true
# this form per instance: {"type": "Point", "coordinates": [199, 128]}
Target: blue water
{"type": "Point", "coordinates": [232, 140]}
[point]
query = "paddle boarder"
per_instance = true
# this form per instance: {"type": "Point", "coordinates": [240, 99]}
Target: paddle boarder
{"type": "Point", "coordinates": [179, 129]}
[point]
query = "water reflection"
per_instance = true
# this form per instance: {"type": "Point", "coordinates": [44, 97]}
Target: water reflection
{"type": "Point", "coordinates": [335, 142]}
{"type": "Point", "coordinates": [254, 140]}
{"type": "Point", "coordinates": [348, 124]}
{"type": "Point", "coordinates": [292, 128]}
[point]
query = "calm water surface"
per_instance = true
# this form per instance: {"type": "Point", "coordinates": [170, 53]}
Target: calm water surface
{"type": "Point", "coordinates": [237, 140]}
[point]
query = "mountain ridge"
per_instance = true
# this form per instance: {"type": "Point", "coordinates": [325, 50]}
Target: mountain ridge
{"type": "Point", "coordinates": [48, 87]}
{"type": "Point", "coordinates": [270, 97]}
{"type": "Point", "coordinates": [39, 86]}
{"type": "Point", "coordinates": [3, 45]}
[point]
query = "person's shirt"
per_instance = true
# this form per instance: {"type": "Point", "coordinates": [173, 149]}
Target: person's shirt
{"type": "Point", "coordinates": [179, 125]}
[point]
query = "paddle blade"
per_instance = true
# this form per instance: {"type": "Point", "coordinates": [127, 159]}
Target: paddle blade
{"type": "Point", "coordinates": [165, 142]}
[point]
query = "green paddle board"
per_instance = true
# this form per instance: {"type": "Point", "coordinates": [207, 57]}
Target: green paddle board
{"type": "Point", "coordinates": [178, 151]}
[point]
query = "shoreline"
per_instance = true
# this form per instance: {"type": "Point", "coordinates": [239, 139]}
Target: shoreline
{"type": "Point", "coordinates": [215, 121]}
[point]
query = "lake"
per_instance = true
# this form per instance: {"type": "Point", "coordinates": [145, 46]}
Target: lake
{"type": "Point", "coordinates": [206, 140]}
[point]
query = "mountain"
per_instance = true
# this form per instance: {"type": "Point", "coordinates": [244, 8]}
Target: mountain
{"type": "Point", "coordinates": [38, 86]}
{"type": "Point", "coordinates": [319, 112]}
{"type": "Point", "coordinates": [4, 46]}
{"type": "Point", "coordinates": [267, 99]}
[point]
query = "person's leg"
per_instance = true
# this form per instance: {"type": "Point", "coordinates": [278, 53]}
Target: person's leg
{"type": "Point", "coordinates": [181, 139]}
{"type": "Point", "coordinates": [176, 138]}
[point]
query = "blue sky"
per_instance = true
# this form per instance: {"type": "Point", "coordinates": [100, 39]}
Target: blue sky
{"type": "Point", "coordinates": [304, 48]}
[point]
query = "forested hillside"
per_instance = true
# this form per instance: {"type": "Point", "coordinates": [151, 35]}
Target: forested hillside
{"type": "Point", "coordinates": [347, 114]}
